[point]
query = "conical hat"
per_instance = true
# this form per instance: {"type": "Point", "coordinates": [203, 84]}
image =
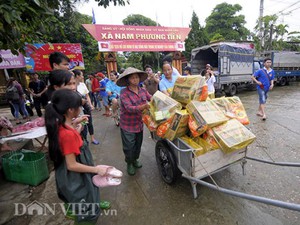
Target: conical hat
{"type": "Point", "coordinates": [122, 81]}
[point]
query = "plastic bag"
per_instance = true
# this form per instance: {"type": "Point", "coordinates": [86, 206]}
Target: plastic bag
{"type": "Point", "coordinates": [209, 138]}
{"type": "Point", "coordinates": [162, 128]}
{"type": "Point", "coordinates": [195, 130]}
{"type": "Point", "coordinates": [162, 107]}
{"type": "Point", "coordinates": [150, 123]}
{"type": "Point", "coordinates": [206, 145]}
{"type": "Point", "coordinates": [198, 149]}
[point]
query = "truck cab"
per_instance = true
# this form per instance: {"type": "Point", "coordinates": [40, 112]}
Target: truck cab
{"type": "Point", "coordinates": [286, 65]}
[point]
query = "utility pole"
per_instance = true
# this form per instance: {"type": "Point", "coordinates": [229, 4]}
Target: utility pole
{"type": "Point", "coordinates": [261, 15]}
{"type": "Point", "coordinates": [271, 36]}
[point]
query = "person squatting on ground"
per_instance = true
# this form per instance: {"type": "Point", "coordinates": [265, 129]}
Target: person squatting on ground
{"type": "Point", "coordinates": [113, 91]}
{"type": "Point", "coordinates": [264, 78]}
{"type": "Point", "coordinates": [37, 88]}
{"type": "Point", "coordinates": [16, 97]}
{"type": "Point", "coordinates": [72, 158]}
{"type": "Point", "coordinates": [133, 102]}
{"type": "Point", "coordinates": [87, 105]}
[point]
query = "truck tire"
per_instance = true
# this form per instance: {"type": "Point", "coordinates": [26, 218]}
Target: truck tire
{"type": "Point", "coordinates": [231, 89]}
{"type": "Point", "coordinates": [283, 81]}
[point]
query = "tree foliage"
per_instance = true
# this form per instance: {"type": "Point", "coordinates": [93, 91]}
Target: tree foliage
{"type": "Point", "coordinates": [74, 32]}
{"type": "Point", "coordinates": [273, 36]}
{"type": "Point", "coordinates": [225, 22]}
{"type": "Point", "coordinates": [196, 38]}
{"type": "Point", "coordinates": [25, 21]}
{"type": "Point", "coordinates": [137, 19]}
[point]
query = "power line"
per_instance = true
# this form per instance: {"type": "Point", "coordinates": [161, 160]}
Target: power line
{"type": "Point", "coordinates": [281, 11]}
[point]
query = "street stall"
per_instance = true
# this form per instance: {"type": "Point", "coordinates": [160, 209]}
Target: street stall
{"type": "Point", "coordinates": [206, 137]}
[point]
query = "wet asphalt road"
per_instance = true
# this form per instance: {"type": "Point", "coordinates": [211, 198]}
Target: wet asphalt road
{"type": "Point", "coordinates": [146, 199]}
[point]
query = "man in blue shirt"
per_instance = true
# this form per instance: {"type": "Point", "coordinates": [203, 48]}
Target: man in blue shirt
{"type": "Point", "coordinates": [264, 78]}
{"type": "Point", "coordinates": [104, 94]}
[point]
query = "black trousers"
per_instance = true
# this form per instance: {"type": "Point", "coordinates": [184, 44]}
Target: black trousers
{"type": "Point", "coordinates": [132, 143]}
{"type": "Point", "coordinates": [37, 102]}
{"type": "Point", "coordinates": [89, 127]}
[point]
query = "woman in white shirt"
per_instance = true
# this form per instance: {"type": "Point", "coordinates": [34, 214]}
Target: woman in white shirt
{"type": "Point", "coordinates": [210, 80]}
{"type": "Point", "coordinates": [87, 107]}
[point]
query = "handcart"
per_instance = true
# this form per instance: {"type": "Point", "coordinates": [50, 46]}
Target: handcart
{"type": "Point", "coordinates": [176, 158]}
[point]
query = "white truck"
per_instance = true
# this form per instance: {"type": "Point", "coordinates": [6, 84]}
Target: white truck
{"type": "Point", "coordinates": [233, 64]}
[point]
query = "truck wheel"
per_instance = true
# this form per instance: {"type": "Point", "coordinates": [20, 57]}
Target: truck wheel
{"type": "Point", "coordinates": [283, 81]}
{"type": "Point", "coordinates": [231, 90]}
{"type": "Point", "coordinates": [251, 87]}
{"type": "Point", "coordinates": [166, 163]}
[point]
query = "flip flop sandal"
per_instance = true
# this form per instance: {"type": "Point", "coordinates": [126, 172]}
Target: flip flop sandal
{"type": "Point", "coordinates": [258, 114]}
{"type": "Point", "coordinates": [105, 181]}
{"type": "Point", "coordinates": [112, 171]}
{"type": "Point", "coordinates": [264, 118]}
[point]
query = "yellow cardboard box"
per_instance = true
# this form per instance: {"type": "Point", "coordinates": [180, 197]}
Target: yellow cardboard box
{"type": "Point", "coordinates": [179, 125]}
{"type": "Point", "coordinates": [206, 113]}
{"type": "Point", "coordinates": [233, 136]}
{"type": "Point", "coordinates": [188, 88]}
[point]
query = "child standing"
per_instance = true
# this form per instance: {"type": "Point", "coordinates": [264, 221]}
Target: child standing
{"type": "Point", "coordinates": [133, 102]}
{"type": "Point", "coordinates": [72, 158]}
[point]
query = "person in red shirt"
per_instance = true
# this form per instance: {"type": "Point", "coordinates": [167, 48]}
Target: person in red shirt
{"type": "Point", "coordinates": [133, 101]}
{"type": "Point", "coordinates": [73, 163]}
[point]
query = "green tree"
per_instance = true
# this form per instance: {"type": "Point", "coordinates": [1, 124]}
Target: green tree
{"type": "Point", "coordinates": [225, 22]}
{"type": "Point", "coordinates": [22, 21]}
{"type": "Point", "coordinates": [74, 32]}
{"type": "Point", "coordinates": [273, 36]}
{"type": "Point", "coordinates": [196, 38]}
{"type": "Point", "coordinates": [137, 19]}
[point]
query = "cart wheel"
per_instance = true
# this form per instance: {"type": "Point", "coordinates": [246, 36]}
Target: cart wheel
{"type": "Point", "coordinates": [166, 163]}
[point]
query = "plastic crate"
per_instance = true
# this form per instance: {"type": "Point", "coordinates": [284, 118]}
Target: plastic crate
{"type": "Point", "coordinates": [25, 166]}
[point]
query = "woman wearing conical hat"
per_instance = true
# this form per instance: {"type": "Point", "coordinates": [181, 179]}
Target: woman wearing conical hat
{"type": "Point", "coordinates": [134, 100]}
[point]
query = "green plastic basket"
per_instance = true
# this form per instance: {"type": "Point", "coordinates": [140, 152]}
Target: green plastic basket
{"type": "Point", "coordinates": [25, 166]}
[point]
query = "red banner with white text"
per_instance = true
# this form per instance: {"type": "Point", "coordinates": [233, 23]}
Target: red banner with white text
{"type": "Point", "coordinates": [37, 55]}
{"type": "Point", "coordinates": [138, 38]}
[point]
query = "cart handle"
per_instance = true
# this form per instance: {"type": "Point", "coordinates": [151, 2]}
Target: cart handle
{"type": "Point", "coordinates": [281, 204]}
{"type": "Point", "coordinates": [179, 149]}
{"type": "Point", "coordinates": [291, 164]}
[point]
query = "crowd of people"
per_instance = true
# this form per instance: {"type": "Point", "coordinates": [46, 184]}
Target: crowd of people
{"type": "Point", "coordinates": [69, 103]}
